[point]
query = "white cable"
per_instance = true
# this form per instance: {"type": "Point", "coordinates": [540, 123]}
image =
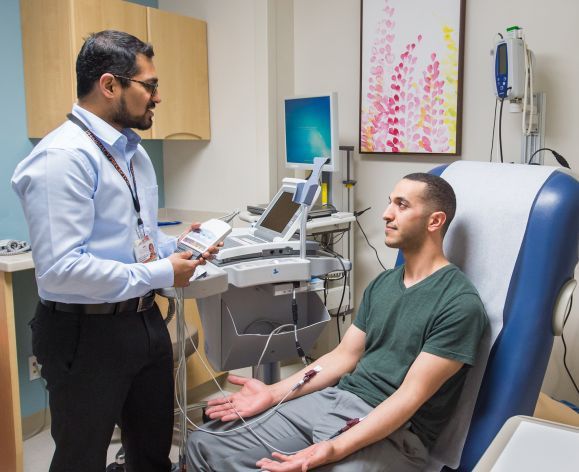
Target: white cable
{"type": "Point", "coordinates": [275, 331]}
{"type": "Point", "coordinates": [245, 423]}
{"type": "Point", "coordinates": [224, 394]}
{"type": "Point", "coordinates": [227, 218]}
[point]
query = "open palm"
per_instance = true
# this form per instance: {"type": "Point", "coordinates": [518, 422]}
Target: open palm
{"type": "Point", "coordinates": [253, 398]}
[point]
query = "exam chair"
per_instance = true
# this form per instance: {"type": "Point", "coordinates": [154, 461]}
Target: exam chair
{"type": "Point", "coordinates": [516, 236]}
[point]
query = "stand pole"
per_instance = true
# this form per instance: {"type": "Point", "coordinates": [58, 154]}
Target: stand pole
{"type": "Point", "coordinates": [182, 375]}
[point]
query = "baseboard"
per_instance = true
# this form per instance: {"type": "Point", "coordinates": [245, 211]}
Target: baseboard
{"type": "Point", "coordinates": [35, 423]}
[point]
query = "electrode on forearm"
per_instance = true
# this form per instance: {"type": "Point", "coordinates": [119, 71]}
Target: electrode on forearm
{"type": "Point", "coordinates": [349, 424]}
{"type": "Point", "coordinates": [307, 377]}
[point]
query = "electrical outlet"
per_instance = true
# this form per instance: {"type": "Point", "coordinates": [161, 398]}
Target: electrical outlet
{"type": "Point", "coordinates": [33, 368]}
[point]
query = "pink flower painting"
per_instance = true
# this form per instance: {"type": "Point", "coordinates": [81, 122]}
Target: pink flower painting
{"type": "Point", "coordinates": [410, 76]}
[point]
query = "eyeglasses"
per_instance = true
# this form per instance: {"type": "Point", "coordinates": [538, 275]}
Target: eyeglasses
{"type": "Point", "coordinates": [151, 87]}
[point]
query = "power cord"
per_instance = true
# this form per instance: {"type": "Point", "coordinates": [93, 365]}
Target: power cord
{"type": "Point", "coordinates": [494, 127]}
{"type": "Point", "coordinates": [558, 157]}
{"type": "Point", "coordinates": [299, 348]}
{"type": "Point", "coordinates": [501, 129]}
{"type": "Point", "coordinates": [337, 315]}
{"type": "Point", "coordinates": [359, 213]}
{"type": "Point", "coordinates": [565, 346]}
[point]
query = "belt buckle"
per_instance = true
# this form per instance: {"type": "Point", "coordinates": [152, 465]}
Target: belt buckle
{"type": "Point", "coordinates": [146, 302]}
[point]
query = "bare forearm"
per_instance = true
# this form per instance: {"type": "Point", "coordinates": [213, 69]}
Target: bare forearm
{"type": "Point", "coordinates": [426, 375]}
{"type": "Point", "coordinates": [334, 365]}
{"type": "Point", "coordinates": [381, 422]}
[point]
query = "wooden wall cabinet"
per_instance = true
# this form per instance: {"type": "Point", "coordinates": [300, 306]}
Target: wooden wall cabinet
{"type": "Point", "coordinates": [53, 32]}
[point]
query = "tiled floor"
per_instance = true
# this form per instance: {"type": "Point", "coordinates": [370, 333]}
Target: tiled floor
{"type": "Point", "coordinates": [38, 450]}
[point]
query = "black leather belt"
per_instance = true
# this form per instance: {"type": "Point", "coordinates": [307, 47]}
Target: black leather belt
{"type": "Point", "coordinates": [134, 304]}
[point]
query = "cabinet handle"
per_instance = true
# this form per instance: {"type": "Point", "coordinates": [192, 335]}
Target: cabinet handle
{"type": "Point", "coordinates": [184, 133]}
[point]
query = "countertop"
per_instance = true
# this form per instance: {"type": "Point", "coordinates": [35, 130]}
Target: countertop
{"type": "Point", "coordinates": [24, 261]}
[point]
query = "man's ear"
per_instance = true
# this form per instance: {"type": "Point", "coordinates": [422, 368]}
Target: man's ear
{"type": "Point", "coordinates": [107, 85]}
{"type": "Point", "coordinates": [436, 221]}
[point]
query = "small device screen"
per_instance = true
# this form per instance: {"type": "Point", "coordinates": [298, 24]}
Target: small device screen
{"type": "Point", "coordinates": [281, 213]}
{"type": "Point", "coordinates": [502, 58]}
{"type": "Point", "coordinates": [311, 130]}
{"type": "Point", "coordinates": [211, 233]}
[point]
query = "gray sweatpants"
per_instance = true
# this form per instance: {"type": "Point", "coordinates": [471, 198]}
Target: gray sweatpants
{"type": "Point", "coordinates": [298, 424]}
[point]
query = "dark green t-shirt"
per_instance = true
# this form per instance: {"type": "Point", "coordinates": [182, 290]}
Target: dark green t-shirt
{"type": "Point", "coordinates": [442, 315]}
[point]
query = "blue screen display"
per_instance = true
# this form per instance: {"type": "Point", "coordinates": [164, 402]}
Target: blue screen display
{"type": "Point", "coordinates": [308, 128]}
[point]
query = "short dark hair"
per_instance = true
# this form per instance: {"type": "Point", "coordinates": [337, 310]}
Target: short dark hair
{"type": "Point", "coordinates": [108, 51]}
{"type": "Point", "coordinates": [439, 195]}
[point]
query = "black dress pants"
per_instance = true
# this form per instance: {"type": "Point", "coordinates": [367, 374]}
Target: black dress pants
{"type": "Point", "coordinates": [101, 370]}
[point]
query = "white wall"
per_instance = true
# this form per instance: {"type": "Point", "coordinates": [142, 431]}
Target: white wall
{"type": "Point", "coordinates": [326, 55]}
{"type": "Point", "coordinates": [237, 165]}
{"type": "Point", "coordinates": [260, 51]}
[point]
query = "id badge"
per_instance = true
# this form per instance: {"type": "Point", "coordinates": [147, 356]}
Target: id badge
{"type": "Point", "coordinates": [144, 250]}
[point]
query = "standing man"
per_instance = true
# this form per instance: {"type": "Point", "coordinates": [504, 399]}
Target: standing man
{"type": "Point", "coordinates": [89, 194]}
{"type": "Point", "coordinates": [400, 367]}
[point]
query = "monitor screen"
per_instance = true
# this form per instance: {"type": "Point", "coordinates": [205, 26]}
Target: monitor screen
{"type": "Point", "coordinates": [281, 213]}
{"type": "Point", "coordinates": [311, 130]}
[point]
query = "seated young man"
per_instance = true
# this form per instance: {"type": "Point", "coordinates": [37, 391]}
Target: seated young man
{"type": "Point", "coordinates": [400, 366]}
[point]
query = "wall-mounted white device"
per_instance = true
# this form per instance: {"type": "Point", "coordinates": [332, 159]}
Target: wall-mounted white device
{"type": "Point", "coordinates": [510, 65]}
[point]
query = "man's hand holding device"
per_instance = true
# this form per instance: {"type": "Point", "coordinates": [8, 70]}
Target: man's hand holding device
{"type": "Point", "coordinates": [196, 246]}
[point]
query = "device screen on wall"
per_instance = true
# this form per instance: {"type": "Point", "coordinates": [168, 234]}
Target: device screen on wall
{"type": "Point", "coordinates": [311, 130]}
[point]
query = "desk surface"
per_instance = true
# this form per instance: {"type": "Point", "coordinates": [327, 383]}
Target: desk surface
{"type": "Point", "coordinates": [314, 223]}
{"type": "Point", "coordinates": [532, 444]}
{"type": "Point", "coordinates": [16, 262]}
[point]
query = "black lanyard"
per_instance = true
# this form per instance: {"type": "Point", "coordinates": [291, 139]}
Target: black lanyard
{"type": "Point", "coordinates": [135, 195]}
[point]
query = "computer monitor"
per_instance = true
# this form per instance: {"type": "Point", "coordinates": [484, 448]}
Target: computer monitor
{"type": "Point", "coordinates": [311, 130]}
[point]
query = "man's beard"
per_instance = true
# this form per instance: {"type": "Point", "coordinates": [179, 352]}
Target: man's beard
{"type": "Point", "coordinates": [125, 120]}
{"type": "Point", "coordinates": [412, 238]}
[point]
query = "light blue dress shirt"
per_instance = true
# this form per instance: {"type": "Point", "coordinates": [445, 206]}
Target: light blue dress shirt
{"type": "Point", "coordinates": [81, 217]}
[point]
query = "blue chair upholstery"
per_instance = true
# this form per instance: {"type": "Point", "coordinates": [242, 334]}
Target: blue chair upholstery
{"type": "Point", "coordinates": [519, 356]}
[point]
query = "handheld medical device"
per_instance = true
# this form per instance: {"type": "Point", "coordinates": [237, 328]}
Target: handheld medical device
{"type": "Point", "coordinates": [210, 233]}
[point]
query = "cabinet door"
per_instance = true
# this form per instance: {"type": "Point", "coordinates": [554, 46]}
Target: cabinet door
{"type": "Point", "coordinates": [181, 60]}
{"type": "Point", "coordinates": [90, 16]}
{"type": "Point", "coordinates": [48, 65]}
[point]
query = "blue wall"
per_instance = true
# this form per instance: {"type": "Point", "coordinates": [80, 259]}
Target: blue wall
{"type": "Point", "coordinates": [13, 140]}
{"type": "Point", "coordinates": [14, 146]}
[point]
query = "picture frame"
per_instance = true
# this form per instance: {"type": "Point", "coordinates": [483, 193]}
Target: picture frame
{"type": "Point", "coordinates": [411, 76]}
